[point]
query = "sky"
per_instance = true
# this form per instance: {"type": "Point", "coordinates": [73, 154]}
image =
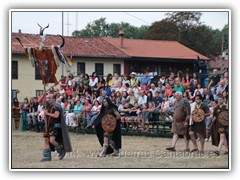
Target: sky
{"type": "Point", "coordinates": [27, 21]}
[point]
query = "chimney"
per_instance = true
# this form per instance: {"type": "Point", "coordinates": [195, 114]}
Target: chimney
{"type": "Point", "coordinates": [121, 37]}
{"type": "Point", "coordinates": [19, 31]}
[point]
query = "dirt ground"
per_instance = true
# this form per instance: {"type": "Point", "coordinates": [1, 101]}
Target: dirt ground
{"type": "Point", "coordinates": [137, 152]}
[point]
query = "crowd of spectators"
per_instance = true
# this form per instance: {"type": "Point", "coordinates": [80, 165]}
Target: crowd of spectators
{"type": "Point", "coordinates": [137, 97]}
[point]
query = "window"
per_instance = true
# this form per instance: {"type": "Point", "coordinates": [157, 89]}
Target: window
{"type": "Point", "coordinates": [38, 92]}
{"type": "Point", "coordinates": [14, 69]}
{"type": "Point", "coordinates": [117, 69]}
{"type": "Point", "coordinates": [80, 68]}
{"type": "Point", "coordinates": [14, 93]}
{"type": "Point", "coordinates": [99, 69]}
{"type": "Point", "coordinates": [37, 73]}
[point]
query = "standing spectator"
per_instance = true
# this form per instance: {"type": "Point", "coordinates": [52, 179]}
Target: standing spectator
{"type": "Point", "coordinates": [25, 110]}
{"type": "Point", "coordinates": [16, 112]}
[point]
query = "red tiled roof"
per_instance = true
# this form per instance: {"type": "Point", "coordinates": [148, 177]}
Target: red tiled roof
{"type": "Point", "coordinates": [155, 49]}
{"type": "Point", "coordinates": [217, 63]}
{"type": "Point", "coordinates": [87, 47]}
{"type": "Point", "coordinates": [110, 47]}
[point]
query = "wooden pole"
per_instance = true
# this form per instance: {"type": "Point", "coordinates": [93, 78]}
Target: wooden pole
{"type": "Point", "coordinates": [45, 104]}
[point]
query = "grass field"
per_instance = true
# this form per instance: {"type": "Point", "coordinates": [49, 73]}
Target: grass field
{"type": "Point", "coordinates": [137, 152]}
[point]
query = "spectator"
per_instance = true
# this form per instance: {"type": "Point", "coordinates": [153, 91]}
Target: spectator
{"type": "Point", "coordinates": [157, 99]}
{"type": "Point", "coordinates": [142, 98]}
{"type": "Point", "coordinates": [153, 89]}
{"type": "Point", "coordinates": [163, 78]}
{"type": "Point", "coordinates": [145, 79]}
{"type": "Point", "coordinates": [85, 80]}
{"type": "Point", "coordinates": [33, 113]}
{"type": "Point", "coordinates": [125, 80]}
{"type": "Point", "coordinates": [178, 87]}
{"type": "Point", "coordinates": [171, 80]}
{"type": "Point", "coordinates": [133, 81]}
{"type": "Point", "coordinates": [93, 80]}
{"type": "Point", "coordinates": [25, 110]}
{"type": "Point", "coordinates": [116, 82]}
{"type": "Point", "coordinates": [16, 112]}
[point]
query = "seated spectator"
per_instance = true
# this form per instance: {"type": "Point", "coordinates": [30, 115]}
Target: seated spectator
{"type": "Point", "coordinates": [178, 86]}
{"type": "Point", "coordinates": [116, 82]}
{"type": "Point", "coordinates": [127, 88]}
{"type": "Point", "coordinates": [133, 81]}
{"type": "Point", "coordinates": [131, 99]}
{"type": "Point", "coordinates": [153, 89]}
{"type": "Point", "coordinates": [40, 120]}
{"type": "Point", "coordinates": [171, 80]}
{"type": "Point", "coordinates": [163, 78]}
{"type": "Point", "coordinates": [142, 99]}
{"type": "Point", "coordinates": [199, 88]}
{"type": "Point", "coordinates": [132, 116]}
{"type": "Point", "coordinates": [93, 80]}
{"type": "Point", "coordinates": [145, 79]}
{"type": "Point", "coordinates": [148, 115]}
{"type": "Point", "coordinates": [125, 80]}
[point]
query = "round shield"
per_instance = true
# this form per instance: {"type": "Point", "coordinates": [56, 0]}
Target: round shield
{"type": "Point", "coordinates": [109, 123]}
{"type": "Point", "coordinates": [198, 115]}
{"type": "Point", "coordinates": [223, 118]}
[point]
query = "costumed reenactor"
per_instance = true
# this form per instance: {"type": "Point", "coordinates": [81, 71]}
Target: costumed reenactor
{"type": "Point", "coordinates": [200, 112]}
{"type": "Point", "coordinates": [107, 126]}
{"type": "Point", "coordinates": [220, 126]}
{"type": "Point", "coordinates": [180, 124]}
{"type": "Point", "coordinates": [56, 133]}
{"type": "Point", "coordinates": [16, 112]}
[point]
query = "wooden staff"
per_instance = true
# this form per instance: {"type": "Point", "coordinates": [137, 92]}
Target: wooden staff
{"type": "Point", "coordinates": [45, 105]}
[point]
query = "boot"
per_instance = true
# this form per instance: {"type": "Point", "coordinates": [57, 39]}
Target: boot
{"type": "Point", "coordinates": [61, 152]}
{"type": "Point", "coordinates": [46, 155]}
{"type": "Point", "coordinates": [104, 151]}
{"type": "Point", "coordinates": [116, 151]}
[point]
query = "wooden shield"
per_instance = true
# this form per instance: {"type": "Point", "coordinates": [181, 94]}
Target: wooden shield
{"type": "Point", "coordinates": [223, 118]}
{"type": "Point", "coordinates": [198, 115]}
{"type": "Point", "coordinates": [109, 123]}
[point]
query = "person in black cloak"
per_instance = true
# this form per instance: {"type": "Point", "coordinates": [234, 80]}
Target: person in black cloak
{"type": "Point", "coordinates": [111, 142]}
{"type": "Point", "coordinates": [56, 133]}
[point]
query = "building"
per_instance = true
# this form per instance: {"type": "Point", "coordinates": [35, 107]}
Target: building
{"type": "Point", "coordinates": [100, 55]}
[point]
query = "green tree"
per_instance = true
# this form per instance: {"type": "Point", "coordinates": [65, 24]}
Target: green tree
{"type": "Point", "coordinates": [100, 28]}
{"type": "Point", "coordinates": [162, 30]}
{"type": "Point", "coordinates": [184, 19]}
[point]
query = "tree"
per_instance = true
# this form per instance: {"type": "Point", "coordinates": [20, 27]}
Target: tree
{"type": "Point", "coordinates": [184, 20]}
{"type": "Point", "coordinates": [100, 28]}
{"type": "Point", "coordinates": [162, 30]}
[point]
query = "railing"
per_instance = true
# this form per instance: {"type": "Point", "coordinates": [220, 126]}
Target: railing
{"type": "Point", "coordinates": [159, 124]}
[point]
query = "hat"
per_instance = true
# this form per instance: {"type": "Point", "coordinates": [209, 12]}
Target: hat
{"type": "Point", "coordinates": [133, 73]}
